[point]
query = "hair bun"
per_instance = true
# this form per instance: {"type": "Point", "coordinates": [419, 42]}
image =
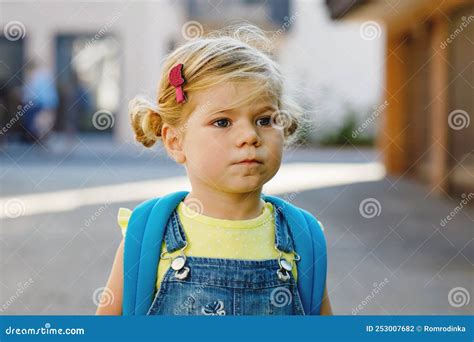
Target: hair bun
{"type": "Point", "coordinates": [146, 121]}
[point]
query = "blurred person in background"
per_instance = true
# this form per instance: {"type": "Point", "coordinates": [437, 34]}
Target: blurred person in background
{"type": "Point", "coordinates": [39, 88]}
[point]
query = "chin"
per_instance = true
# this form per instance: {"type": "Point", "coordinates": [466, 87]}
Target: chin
{"type": "Point", "coordinates": [244, 187]}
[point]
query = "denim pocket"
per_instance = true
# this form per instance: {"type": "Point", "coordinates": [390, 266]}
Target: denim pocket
{"type": "Point", "coordinates": [190, 298]}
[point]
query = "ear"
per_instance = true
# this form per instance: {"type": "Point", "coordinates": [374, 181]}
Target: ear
{"type": "Point", "coordinates": [173, 142]}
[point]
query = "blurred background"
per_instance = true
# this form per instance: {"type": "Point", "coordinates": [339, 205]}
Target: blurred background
{"type": "Point", "coordinates": [386, 162]}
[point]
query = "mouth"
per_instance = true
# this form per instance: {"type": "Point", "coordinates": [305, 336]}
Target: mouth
{"type": "Point", "coordinates": [249, 162]}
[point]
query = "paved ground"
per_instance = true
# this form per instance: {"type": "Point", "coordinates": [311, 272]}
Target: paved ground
{"type": "Point", "coordinates": [403, 261]}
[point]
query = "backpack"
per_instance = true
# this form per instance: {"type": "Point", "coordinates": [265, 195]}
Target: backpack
{"type": "Point", "coordinates": [145, 233]}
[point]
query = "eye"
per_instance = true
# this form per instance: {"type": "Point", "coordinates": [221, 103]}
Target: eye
{"type": "Point", "coordinates": [222, 123]}
{"type": "Point", "coordinates": [265, 121]}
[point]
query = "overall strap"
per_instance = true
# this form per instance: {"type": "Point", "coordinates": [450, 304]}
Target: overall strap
{"type": "Point", "coordinates": [175, 237]}
{"type": "Point", "coordinates": [283, 239]}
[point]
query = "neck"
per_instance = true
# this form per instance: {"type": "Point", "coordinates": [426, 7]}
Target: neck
{"type": "Point", "coordinates": [224, 205]}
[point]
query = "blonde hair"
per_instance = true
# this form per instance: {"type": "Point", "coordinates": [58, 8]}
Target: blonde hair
{"type": "Point", "coordinates": [237, 54]}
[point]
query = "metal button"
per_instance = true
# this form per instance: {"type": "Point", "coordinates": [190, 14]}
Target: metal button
{"type": "Point", "coordinates": [283, 275]}
{"type": "Point", "coordinates": [286, 265]}
{"type": "Point", "coordinates": [178, 263]}
{"type": "Point", "coordinates": [182, 274]}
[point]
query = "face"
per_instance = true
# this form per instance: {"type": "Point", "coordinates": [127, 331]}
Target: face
{"type": "Point", "coordinates": [234, 150]}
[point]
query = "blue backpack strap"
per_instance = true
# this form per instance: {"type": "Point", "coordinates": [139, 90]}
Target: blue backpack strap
{"type": "Point", "coordinates": [319, 260]}
{"type": "Point", "coordinates": [142, 251]}
{"type": "Point", "coordinates": [131, 253]}
{"type": "Point", "coordinates": [310, 244]}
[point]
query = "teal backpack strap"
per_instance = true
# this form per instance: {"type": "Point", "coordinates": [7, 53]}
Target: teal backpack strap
{"type": "Point", "coordinates": [131, 253]}
{"type": "Point", "coordinates": [311, 246]}
{"type": "Point", "coordinates": [142, 251]}
{"type": "Point", "coordinates": [320, 261]}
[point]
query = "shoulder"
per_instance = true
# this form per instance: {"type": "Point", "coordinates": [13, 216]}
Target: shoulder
{"type": "Point", "coordinates": [293, 212]}
{"type": "Point", "coordinates": [311, 219]}
{"type": "Point", "coordinates": [124, 214]}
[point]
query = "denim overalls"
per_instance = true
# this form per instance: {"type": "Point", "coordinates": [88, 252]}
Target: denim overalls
{"type": "Point", "coordinates": [211, 286]}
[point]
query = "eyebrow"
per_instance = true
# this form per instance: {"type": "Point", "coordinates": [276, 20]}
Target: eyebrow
{"type": "Point", "coordinates": [257, 111]}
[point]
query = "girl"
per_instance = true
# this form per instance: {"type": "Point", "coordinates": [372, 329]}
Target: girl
{"type": "Point", "coordinates": [226, 249]}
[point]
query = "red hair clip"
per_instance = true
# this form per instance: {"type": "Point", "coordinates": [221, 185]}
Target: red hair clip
{"type": "Point", "coordinates": [176, 80]}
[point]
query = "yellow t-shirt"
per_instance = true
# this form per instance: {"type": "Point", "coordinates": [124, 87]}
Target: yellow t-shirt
{"type": "Point", "coordinates": [252, 239]}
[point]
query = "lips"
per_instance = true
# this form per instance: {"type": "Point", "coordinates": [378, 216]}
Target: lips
{"type": "Point", "coordinates": [249, 161]}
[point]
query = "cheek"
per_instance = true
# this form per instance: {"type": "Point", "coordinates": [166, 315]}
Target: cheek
{"type": "Point", "coordinates": [274, 145]}
{"type": "Point", "coordinates": [203, 153]}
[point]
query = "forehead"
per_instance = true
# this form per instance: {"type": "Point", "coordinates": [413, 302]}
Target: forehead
{"type": "Point", "coordinates": [231, 95]}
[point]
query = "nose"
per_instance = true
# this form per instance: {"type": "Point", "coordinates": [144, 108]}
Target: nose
{"type": "Point", "coordinates": [247, 134]}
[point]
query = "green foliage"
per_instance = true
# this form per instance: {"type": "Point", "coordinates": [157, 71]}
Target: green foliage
{"type": "Point", "coordinates": [345, 134]}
